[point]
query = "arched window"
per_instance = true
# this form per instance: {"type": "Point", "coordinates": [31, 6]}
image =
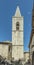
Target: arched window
{"type": "Point", "coordinates": [17, 26]}
{"type": "Point", "coordinates": [9, 48]}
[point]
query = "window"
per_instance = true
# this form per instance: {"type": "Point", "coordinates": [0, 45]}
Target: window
{"type": "Point", "coordinates": [17, 26]}
{"type": "Point", "coordinates": [9, 48]}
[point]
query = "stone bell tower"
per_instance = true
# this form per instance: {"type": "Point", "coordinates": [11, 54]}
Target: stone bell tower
{"type": "Point", "coordinates": [17, 35]}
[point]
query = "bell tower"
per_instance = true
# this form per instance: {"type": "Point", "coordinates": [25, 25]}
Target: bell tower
{"type": "Point", "coordinates": [17, 35]}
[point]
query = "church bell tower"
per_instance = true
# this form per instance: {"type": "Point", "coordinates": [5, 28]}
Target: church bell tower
{"type": "Point", "coordinates": [17, 35]}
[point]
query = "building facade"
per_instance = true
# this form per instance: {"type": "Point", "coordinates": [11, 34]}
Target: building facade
{"type": "Point", "coordinates": [31, 44]}
{"type": "Point", "coordinates": [5, 50]}
{"type": "Point", "coordinates": [26, 57]}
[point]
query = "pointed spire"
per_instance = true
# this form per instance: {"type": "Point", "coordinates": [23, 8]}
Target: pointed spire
{"type": "Point", "coordinates": [18, 14]}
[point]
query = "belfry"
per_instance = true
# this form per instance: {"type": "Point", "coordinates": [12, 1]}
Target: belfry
{"type": "Point", "coordinates": [17, 35]}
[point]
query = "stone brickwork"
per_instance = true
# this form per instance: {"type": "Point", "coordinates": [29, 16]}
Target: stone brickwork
{"type": "Point", "coordinates": [17, 35]}
{"type": "Point", "coordinates": [4, 50]}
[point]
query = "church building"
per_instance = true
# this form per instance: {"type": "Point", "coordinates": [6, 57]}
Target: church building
{"type": "Point", "coordinates": [15, 49]}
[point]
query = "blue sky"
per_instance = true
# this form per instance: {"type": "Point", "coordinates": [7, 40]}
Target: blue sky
{"type": "Point", "coordinates": [7, 10]}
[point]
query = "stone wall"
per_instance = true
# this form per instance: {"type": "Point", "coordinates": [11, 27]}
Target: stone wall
{"type": "Point", "coordinates": [4, 50]}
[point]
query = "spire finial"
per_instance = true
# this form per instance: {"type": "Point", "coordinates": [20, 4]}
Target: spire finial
{"type": "Point", "coordinates": [18, 13]}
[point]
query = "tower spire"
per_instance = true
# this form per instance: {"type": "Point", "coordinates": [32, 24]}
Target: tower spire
{"type": "Point", "coordinates": [18, 13]}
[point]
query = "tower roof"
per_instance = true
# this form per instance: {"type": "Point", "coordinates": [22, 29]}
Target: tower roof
{"type": "Point", "coordinates": [18, 13]}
